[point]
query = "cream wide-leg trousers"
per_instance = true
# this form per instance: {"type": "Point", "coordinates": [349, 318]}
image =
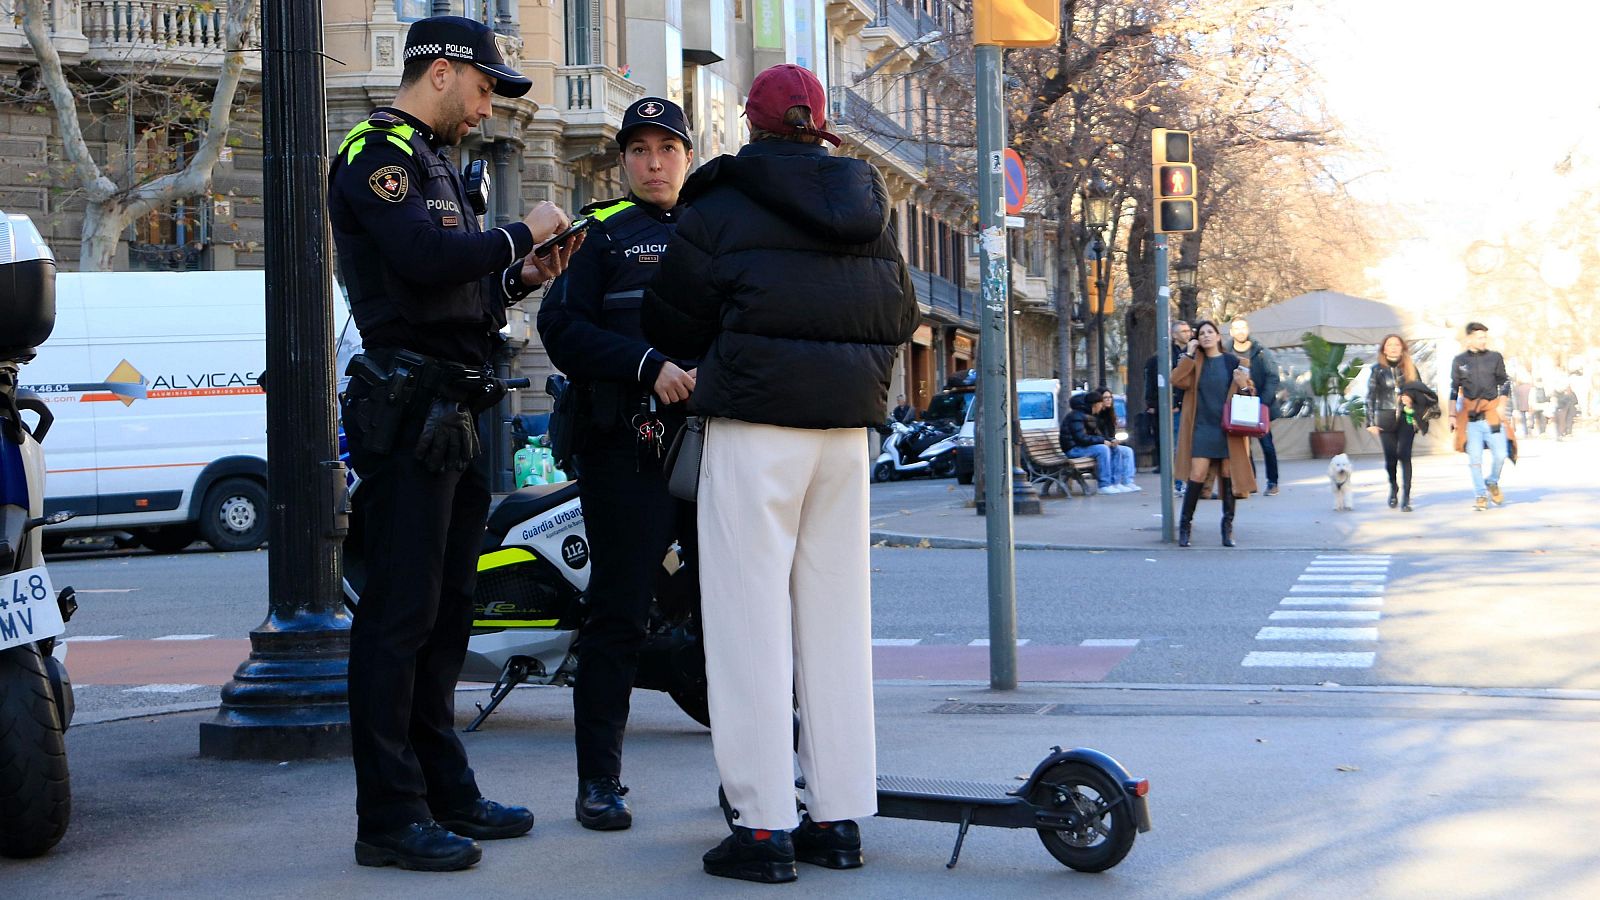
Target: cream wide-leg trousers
{"type": "Point", "coordinates": [786, 605]}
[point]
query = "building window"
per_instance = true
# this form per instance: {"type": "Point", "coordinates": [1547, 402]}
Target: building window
{"type": "Point", "coordinates": [412, 10]}
{"type": "Point", "coordinates": [585, 37]}
{"type": "Point", "coordinates": [175, 236]}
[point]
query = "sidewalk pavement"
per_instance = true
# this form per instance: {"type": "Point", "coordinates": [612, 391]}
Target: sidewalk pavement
{"type": "Point", "coordinates": [1255, 792]}
{"type": "Point", "coordinates": [1552, 505]}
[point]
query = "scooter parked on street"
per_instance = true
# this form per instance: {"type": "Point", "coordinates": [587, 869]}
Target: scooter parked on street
{"type": "Point", "coordinates": [528, 604]}
{"type": "Point", "coordinates": [915, 449]}
{"type": "Point", "coordinates": [36, 701]}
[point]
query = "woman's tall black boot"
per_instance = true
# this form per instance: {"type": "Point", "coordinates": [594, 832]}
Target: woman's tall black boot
{"type": "Point", "coordinates": [1405, 495]}
{"type": "Point", "coordinates": [1228, 503]}
{"type": "Point", "coordinates": [1191, 499]}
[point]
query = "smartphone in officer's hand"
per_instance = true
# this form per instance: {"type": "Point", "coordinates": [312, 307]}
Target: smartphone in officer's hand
{"type": "Point", "coordinates": [578, 227]}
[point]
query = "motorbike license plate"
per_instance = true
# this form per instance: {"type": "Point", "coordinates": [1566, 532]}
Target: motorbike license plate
{"type": "Point", "coordinates": [28, 609]}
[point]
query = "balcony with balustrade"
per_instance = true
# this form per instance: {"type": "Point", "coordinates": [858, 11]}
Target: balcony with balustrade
{"type": "Point", "coordinates": [175, 38]}
{"type": "Point", "coordinates": [592, 99]}
{"type": "Point", "coordinates": [856, 119]}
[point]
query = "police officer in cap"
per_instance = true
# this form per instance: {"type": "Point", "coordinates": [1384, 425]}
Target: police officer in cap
{"type": "Point", "coordinates": [428, 289]}
{"type": "Point", "coordinates": [630, 402]}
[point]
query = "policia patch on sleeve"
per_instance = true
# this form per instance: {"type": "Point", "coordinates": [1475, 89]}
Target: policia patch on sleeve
{"type": "Point", "coordinates": [390, 183]}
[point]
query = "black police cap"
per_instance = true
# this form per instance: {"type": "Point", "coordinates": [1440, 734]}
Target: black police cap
{"type": "Point", "coordinates": [464, 40]}
{"type": "Point", "coordinates": [663, 114]}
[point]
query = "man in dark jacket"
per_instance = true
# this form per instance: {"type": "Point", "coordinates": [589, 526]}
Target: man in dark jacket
{"type": "Point", "coordinates": [1479, 387]}
{"type": "Point", "coordinates": [786, 282]}
{"type": "Point", "coordinates": [1181, 333]}
{"type": "Point", "coordinates": [1264, 372]}
{"type": "Point", "coordinates": [1082, 435]}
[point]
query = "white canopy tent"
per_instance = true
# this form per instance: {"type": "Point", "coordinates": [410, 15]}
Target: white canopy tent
{"type": "Point", "coordinates": [1337, 318]}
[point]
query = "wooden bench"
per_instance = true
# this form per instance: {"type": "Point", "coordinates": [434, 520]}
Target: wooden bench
{"type": "Point", "coordinates": [1046, 465]}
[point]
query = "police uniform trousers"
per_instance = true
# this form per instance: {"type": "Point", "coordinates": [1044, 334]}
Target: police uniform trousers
{"type": "Point", "coordinates": [630, 520]}
{"type": "Point", "coordinates": [786, 608]}
{"type": "Point", "coordinates": [423, 531]}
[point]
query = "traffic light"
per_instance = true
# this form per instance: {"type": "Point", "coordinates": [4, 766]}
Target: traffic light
{"type": "Point", "coordinates": [1173, 180]}
{"type": "Point", "coordinates": [1016, 23]}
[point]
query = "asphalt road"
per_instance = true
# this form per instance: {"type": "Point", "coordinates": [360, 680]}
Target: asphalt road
{"type": "Point", "coordinates": [1201, 617]}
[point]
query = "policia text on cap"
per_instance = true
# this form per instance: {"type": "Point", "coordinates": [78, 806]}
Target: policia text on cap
{"type": "Point", "coordinates": [428, 290]}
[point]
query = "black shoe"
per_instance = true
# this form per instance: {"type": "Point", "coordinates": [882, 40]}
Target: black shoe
{"type": "Point", "coordinates": [422, 846]}
{"type": "Point", "coordinates": [1191, 500]}
{"type": "Point", "coordinates": [1394, 496]}
{"type": "Point", "coordinates": [764, 856]}
{"type": "Point", "coordinates": [600, 805]}
{"type": "Point", "coordinates": [1405, 502]}
{"type": "Point", "coordinates": [832, 845]}
{"type": "Point", "coordinates": [486, 820]}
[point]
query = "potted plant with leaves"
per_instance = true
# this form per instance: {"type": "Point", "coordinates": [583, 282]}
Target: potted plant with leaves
{"type": "Point", "coordinates": [1329, 385]}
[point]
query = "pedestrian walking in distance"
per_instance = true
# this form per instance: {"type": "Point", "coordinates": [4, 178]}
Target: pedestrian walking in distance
{"type": "Point", "coordinates": [1479, 389]}
{"type": "Point", "coordinates": [786, 282]}
{"type": "Point", "coordinates": [1209, 378]}
{"type": "Point", "coordinates": [1392, 415]}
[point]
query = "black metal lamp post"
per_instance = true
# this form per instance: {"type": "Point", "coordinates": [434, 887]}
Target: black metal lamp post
{"type": "Point", "coordinates": [1097, 218]}
{"type": "Point", "coordinates": [288, 700]}
{"type": "Point", "coordinates": [1187, 288]}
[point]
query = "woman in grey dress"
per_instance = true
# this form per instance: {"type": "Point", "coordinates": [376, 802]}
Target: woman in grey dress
{"type": "Point", "coordinates": [1209, 378]}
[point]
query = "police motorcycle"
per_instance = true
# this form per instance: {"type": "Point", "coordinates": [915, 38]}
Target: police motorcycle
{"type": "Point", "coordinates": [36, 702]}
{"type": "Point", "coordinates": [919, 448]}
{"type": "Point", "coordinates": [528, 605]}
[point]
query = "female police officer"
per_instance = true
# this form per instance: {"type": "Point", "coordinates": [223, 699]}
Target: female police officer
{"type": "Point", "coordinates": [428, 290]}
{"type": "Point", "coordinates": [589, 323]}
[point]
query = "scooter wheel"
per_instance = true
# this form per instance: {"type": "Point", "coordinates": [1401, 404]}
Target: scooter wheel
{"type": "Point", "coordinates": [35, 792]}
{"type": "Point", "coordinates": [943, 466]}
{"type": "Point", "coordinates": [693, 702]}
{"type": "Point", "coordinates": [1103, 828]}
{"type": "Point", "coordinates": [882, 472]}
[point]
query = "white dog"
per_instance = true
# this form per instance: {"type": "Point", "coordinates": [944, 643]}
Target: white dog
{"type": "Point", "coordinates": [1340, 474]}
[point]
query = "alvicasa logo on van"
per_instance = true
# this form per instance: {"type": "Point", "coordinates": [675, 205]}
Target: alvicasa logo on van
{"type": "Point", "coordinates": [126, 384]}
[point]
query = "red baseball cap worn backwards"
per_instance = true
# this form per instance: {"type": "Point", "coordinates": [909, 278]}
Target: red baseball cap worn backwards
{"type": "Point", "coordinates": [780, 87]}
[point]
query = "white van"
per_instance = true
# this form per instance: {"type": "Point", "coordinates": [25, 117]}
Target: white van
{"type": "Point", "coordinates": [160, 424]}
{"type": "Point", "coordinates": [1036, 410]}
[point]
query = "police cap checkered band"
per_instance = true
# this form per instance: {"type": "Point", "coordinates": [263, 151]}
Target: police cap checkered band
{"type": "Point", "coordinates": [464, 40]}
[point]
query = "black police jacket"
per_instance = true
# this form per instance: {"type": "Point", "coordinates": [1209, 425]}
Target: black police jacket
{"type": "Point", "coordinates": [785, 280]}
{"type": "Point", "coordinates": [589, 321]}
{"type": "Point", "coordinates": [421, 273]}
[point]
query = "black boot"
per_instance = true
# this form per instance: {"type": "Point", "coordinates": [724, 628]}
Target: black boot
{"type": "Point", "coordinates": [763, 856]}
{"type": "Point", "coordinates": [1191, 499]}
{"type": "Point", "coordinates": [832, 845]}
{"type": "Point", "coordinates": [1228, 503]}
{"type": "Point", "coordinates": [1405, 501]}
{"type": "Point", "coordinates": [600, 806]}
{"type": "Point", "coordinates": [1394, 494]}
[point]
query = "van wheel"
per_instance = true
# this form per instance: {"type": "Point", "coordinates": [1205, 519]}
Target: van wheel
{"type": "Point", "coordinates": [169, 539]}
{"type": "Point", "coordinates": [234, 515]}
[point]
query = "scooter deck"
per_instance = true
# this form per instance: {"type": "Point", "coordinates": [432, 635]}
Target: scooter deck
{"type": "Point", "coordinates": [945, 790]}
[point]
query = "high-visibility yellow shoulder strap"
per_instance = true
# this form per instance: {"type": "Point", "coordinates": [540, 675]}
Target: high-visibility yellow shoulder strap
{"type": "Point", "coordinates": [399, 135]}
{"type": "Point", "coordinates": [605, 212]}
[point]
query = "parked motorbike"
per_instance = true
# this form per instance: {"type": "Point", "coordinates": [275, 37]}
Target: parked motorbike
{"type": "Point", "coordinates": [36, 702]}
{"type": "Point", "coordinates": [919, 448]}
{"type": "Point", "coordinates": [528, 605]}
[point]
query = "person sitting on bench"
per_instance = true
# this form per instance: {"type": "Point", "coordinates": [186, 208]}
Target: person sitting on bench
{"type": "Point", "coordinates": [1081, 436]}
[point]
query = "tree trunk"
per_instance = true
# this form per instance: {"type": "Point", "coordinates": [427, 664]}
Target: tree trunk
{"type": "Point", "coordinates": [1141, 322]}
{"type": "Point", "coordinates": [103, 224]}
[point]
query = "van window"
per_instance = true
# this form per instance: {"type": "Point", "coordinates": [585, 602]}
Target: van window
{"type": "Point", "coordinates": [1035, 405]}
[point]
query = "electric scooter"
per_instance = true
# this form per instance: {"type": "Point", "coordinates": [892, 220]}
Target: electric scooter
{"type": "Point", "coordinates": [528, 605]}
{"type": "Point", "coordinates": [915, 449]}
{"type": "Point", "coordinates": [1084, 805]}
{"type": "Point", "coordinates": [36, 701]}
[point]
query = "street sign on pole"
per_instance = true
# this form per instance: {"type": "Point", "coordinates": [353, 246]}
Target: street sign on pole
{"type": "Point", "coordinates": [1016, 182]}
{"type": "Point", "coordinates": [994, 383]}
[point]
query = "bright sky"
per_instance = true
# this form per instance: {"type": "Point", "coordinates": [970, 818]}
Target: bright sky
{"type": "Point", "coordinates": [1466, 109]}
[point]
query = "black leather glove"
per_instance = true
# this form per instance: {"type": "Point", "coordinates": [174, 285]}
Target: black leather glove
{"type": "Point", "coordinates": [449, 438]}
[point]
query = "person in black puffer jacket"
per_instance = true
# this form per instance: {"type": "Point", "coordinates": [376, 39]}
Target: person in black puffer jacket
{"type": "Point", "coordinates": [786, 282]}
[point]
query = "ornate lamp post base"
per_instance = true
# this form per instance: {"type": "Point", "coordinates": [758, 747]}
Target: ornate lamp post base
{"type": "Point", "coordinates": [287, 701]}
